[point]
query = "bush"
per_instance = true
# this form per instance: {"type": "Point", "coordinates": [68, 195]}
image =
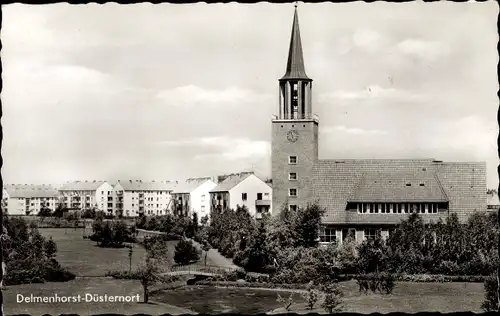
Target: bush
{"type": "Point", "coordinates": [185, 252]}
{"type": "Point", "coordinates": [218, 281]}
{"type": "Point", "coordinates": [376, 282]}
{"type": "Point", "coordinates": [257, 277]}
{"type": "Point", "coordinates": [491, 303]}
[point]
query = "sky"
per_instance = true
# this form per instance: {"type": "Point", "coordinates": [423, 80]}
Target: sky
{"type": "Point", "coordinates": [107, 92]}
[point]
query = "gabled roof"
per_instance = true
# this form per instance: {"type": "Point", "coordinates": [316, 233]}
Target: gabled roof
{"type": "Point", "coordinates": [336, 182]}
{"type": "Point", "coordinates": [31, 191]}
{"type": "Point", "coordinates": [190, 185]}
{"type": "Point", "coordinates": [295, 68]}
{"type": "Point", "coordinates": [398, 187]}
{"type": "Point", "coordinates": [81, 186]}
{"type": "Point", "coordinates": [230, 182]}
{"type": "Point", "coordinates": [139, 185]}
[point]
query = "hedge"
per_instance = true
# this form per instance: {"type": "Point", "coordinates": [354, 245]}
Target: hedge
{"type": "Point", "coordinates": [420, 278]}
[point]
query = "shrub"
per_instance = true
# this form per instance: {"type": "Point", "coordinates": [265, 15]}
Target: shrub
{"type": "Point", "coordinates": [185, 252]}
{"type": "Point", "coordinates": [287, 302]}
{"type": "Point", "coordinates": [376, 282]}
{"type": "Point", "coordinates": [311, 296]}
{"type": "Point", "coordinates": [491, 299]}
{"type": "Point", "coordinates": [333, 299]}
{"type": "Point", "coordinates": [257, 277]}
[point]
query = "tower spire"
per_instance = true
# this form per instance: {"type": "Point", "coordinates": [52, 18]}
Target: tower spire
{"type": "Point", "coordinates": [295, 66]}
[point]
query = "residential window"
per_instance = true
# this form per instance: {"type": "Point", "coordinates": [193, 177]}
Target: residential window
{"type": "Point", "coordinates": [203, 208]}
{"type": "Point", "coordinates": [266, 195]}
{"type": "Point", "coordinates": [348, 233]}
{"type": "Point", "coordinates": [292, 207]}
{"type": "Point", "coordinates": [292, 176]}
{"type": "Point", "coordinates": [327, 234]}
{"type": "Point", "coordinates": [292, 192]}
{"type": "Point", "coordinates": [244, 196]}
{"type": "Point", "coordinates": [292, 160]}
{"type": "Point", "coordinates": [259, 196]}
{"type": "Point", "coordinates": [203, 198]}
{"type": "Point", "coordinates": [370, 233]}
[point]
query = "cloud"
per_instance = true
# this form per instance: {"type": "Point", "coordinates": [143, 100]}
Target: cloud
{"type": "Point", "coordinates": [366, 38]}
{"type": "Point", "coordinates": [370, 92]}
{"type": "Point", "coordinates": [193, 95]}
{"type": "Point", "coordinates": [427, 50]}
{"type": "Point", "coordinates": [353, 130]}
{"type": "Point", "coordinates": [226, 147]}
{"type": "Point", "coordinates": [471, 135]}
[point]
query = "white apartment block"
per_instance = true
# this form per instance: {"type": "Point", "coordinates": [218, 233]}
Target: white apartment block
{"type": "Point", "coordinates": [135, 197]}
{"type": "Point", "coordinates": [29, 199]}
{"type": "Point", "coordinates": [193, 196]}
{"type": "Point", "coordinates": [84, 195]}
{"type": "Point", "coordinates": [243, 189]}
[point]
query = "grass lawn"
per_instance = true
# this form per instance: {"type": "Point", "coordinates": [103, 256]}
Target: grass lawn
{"type": "Point", "coordinates": [409, 297]}
{"type": "Point", "coordinates": [84, 258]}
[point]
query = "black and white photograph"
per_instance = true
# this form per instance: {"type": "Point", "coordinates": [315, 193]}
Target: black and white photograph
{"type": "Point", "coordinates": [237, 158]}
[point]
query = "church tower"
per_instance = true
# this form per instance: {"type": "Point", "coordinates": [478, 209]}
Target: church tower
{"type": "Point", "coordinates": [295, 132]}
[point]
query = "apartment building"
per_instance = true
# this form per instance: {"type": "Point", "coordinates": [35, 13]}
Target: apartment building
{"type": "Point", "coordinates": [136, 197]}
{"type": "Point", "coordinates": [84, 195]}
{"type": "Point", "coordinates": [243, 189]}
{"type": "Point", "coordinates": [193, 195]}
{"type": "Point", "coordinates": [24, 199]}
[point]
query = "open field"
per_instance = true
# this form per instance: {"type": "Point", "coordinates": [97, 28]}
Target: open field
{"type": "Point", "coordinates": [84, 258]}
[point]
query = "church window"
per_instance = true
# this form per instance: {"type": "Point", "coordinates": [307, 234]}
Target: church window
{"type": "Point", "coordinates": [292, 176]}
{"type": "Point", "coordinates": [292, 207]}
{"type": "Point", "coordinates": [292, 160]}
{"type": "Point", "coordinates": [292, 192]}
{"type": "Point", "coordinates": [391, 208]}
{"type": "Point", "coordinates": [327, 234]}
{"type": "Point", "coordinates": [295, 87]}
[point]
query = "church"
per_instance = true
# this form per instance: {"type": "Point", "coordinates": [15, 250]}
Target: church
{"type": "Point", "coordinates": [361, 197]}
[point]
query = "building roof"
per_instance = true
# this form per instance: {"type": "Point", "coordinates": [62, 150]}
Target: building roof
{"type": "Point", "coordinates": [190, 185]}
{"type": "Point", "coordinates": [31, 191]}
{"type": "Point", "coordinates": [336, 182]}
{"type": "Point", "coordinates": [231, 181]}
{"type": "Point", "coordinates": [398, 187]}
{"type": "Point", "coordinates": [295, 68]}
{"type": "Point", "coordinates": [81, 186]}
{"type": "Point", "coordinates": [139, 185]}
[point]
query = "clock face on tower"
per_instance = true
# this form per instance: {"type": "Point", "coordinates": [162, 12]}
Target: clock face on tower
{"type": "Point", "coordinates": [292, 136]}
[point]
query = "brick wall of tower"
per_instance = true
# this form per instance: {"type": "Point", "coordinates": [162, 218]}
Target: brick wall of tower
{"type": "Point", "coordinates": [306, 150]}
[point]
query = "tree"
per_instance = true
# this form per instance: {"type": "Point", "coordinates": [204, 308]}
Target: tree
{"type": "Point", "coordinates": [195, 223]}
{"type": "Point", "coordinates": [185, 252]}
{"type": "Point", "coordinates": [148, 274]}
{"type": "Point", "coordinates": [311, 296]}
{"type": "Point", "coordinates": [333, 299]}
{"type": "Point", "coordinates": [50, 248]}
{"type": "Point", "coordinates": [256, 255]}
{"type": "Point", "coordinates": [308, 224]}
{"type": "Point", "coordinates": [45, 212]}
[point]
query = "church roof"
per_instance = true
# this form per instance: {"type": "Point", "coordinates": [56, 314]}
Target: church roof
{"type": "Point", "coordinates": [337, 182]}
{"type": "Point", "coordinates": [295, 66]}
{"type": "Point", "coordinates": [398, 187]}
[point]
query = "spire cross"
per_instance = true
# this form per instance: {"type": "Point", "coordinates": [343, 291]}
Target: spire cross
{"type": "Point", "coordinates": [296, 4]}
